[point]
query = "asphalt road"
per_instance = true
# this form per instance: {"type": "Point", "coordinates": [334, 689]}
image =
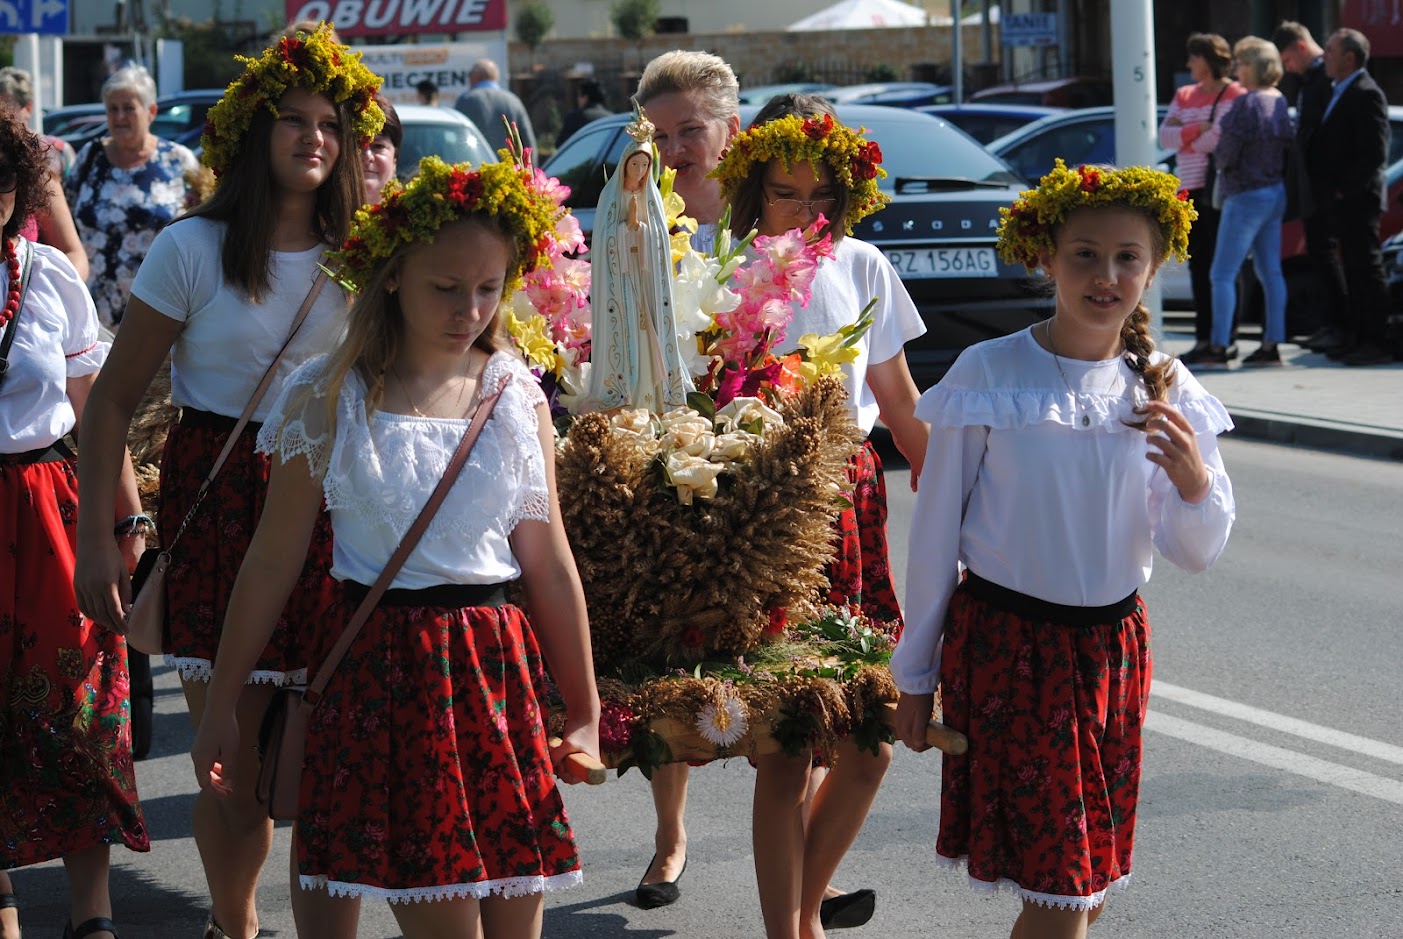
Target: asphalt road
{"type": "Point", "coordinates": [1273, 795]}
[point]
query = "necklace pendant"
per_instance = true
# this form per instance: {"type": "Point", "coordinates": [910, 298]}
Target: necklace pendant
{"type": "Point", "coordinates": [1086, 420]}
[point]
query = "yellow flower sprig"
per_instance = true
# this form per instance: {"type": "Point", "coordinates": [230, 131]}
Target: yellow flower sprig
{"type": "Point", "coordinates": [1029, 225]}
{"type": "Point", "coordinates": [826, 355]}
{"type": "Point", "coordinates": [314, 61]}
{"type": "Point", "coordinates": [853, 160]}
{"type": "Point", "coordinates": [442, 193]}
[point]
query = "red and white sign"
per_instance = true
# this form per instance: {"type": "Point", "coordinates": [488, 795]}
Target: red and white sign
{"type": "Point", "coordinates": [402, 17]}
{"type": "Point", "coordinates": [1381, 21]}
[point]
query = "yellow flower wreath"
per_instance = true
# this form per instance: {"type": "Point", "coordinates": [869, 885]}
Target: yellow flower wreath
{"type": "Point", "coordinates": [443, 193]}
{"type": "Point", "coordinates": [853, 160]}
{"type": "Point", "coordinates": [314, 61]}
{"type": "Point", "coordinates": [1027, 228]}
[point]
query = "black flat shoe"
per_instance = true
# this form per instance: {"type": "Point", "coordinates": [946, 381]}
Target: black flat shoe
{"type": "Point", "coordinates": [652, 896]}
{"type": "Point", "coordinates": [847, 909]}
{"type": "Point", "coordinates": [88, 927]}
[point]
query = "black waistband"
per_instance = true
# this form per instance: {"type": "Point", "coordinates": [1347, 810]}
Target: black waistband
{"type": "Point", "coordinates": [1044, 612]}
{"type": "Point", "coordinates": [448, 596]}
{"type": "Point", "coordinates": [55, 452]}
{"type": "Point", "coordinates": [208, 420]}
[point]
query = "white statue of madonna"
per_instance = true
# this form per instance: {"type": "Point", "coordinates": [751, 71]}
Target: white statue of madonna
{"type": "Point", "coordinates": [636, 357]}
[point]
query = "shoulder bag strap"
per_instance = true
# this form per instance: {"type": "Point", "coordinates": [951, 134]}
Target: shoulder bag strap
{"type": "Point", "coordinates": [407, 545]}
{"type": "Point", "coordinates": [1214, 110]}
{"type": "Point", "coordinates": [249, 408]}
{"type": "Point", "coordinates": [13, 326]}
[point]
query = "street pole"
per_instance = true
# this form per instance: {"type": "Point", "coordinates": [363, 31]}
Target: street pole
{"type": "Point", "coordinates": [1133, 78]}
{"type": "Point", "coordinates": [957, 52]}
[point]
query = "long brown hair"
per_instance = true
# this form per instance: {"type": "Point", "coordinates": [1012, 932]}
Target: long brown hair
{"type": "Point", "coordinates": [246, 202]}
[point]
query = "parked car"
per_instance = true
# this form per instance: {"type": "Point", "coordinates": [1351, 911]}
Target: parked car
{"type": "Point", "coordinates": [57, 121]}
{"type": "Point", "coordinates": [892, 94]}
{"type": "Point", "coordinates": [181, 116]}
{"type": "Point", "coordinates": [1085, 135]}
{"type": "Point", "coordinates": [763, 93]}
{"type": "Point", "coordinates": [939, 232]}
{"type": "Point", "coordinates": [988, 122]}
{"type": "Point", "coordinates": [441, 132]}
{"type": "Point", "coordinates": [1075, 92]}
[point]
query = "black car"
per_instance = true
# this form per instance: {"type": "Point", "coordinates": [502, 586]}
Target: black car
{"type": "Point", "coordinates": [938, 232]}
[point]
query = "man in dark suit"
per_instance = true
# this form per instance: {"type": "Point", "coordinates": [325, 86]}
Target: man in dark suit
{"type": "Point", "coordinates": [1302, 56]}
{"type": "Point", "coordinates": [1345, 164]}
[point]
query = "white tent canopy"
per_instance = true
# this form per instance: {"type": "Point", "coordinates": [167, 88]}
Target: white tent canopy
{"type": "Point", "coordinates": [863, 14]}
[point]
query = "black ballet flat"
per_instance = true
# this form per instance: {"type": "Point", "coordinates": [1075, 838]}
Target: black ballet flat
{"type": "Point", "coordinates": [652, 896]}
{"type": "Point", "coordinates": [847, 909]}
{"type": "Point", "coordinates": [88, 927]}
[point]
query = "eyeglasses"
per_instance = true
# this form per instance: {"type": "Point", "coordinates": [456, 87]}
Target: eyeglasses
{"type": "Point", "coordinates": [794, 206]}
{"type": "Point", "coordinates": [9, 179]}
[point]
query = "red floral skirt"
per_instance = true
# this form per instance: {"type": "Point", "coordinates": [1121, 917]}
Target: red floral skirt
{"type": "Point", "coordinates": [205, 564]}
{"type": "Point", "coordinates": [427, 773]}
{"type": "Point", "coordinates": [66, 776]}
{"type": "Point", "coordinates": [860, 573]}
{"type": "Point", "coordinates": [1044, 801]}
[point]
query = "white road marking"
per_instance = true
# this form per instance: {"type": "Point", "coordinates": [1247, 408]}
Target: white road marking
{"type": "Point", "coordinates": [1245, 712]}
{"type": "Point", "coordinates": [1368, 784]}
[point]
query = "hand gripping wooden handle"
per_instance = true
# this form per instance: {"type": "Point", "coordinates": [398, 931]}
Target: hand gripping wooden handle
{"type": "Point", "coordinates": [583, 767]}
{"type": "Point", "coordinates": [937, 734]}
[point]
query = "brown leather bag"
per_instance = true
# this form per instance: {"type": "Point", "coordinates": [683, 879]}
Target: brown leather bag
{"type": "Point", "coordinates": [282, 736]}
{"type": "Point", "coordinates": [146, 620]}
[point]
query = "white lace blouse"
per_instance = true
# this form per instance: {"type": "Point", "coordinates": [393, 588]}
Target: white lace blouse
{"type": "Point", "coordinates": [1042, 488]}
{"type": "Point", "coordinates": [382, 467]}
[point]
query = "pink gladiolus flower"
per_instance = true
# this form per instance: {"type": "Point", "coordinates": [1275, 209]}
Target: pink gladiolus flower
{"type": "Point", "coordinates": [550, 187]}
{"type": "Point", "coordinates": [569, 237]}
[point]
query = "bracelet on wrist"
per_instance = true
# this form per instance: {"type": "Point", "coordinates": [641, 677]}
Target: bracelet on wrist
{"type": "Point", "coordinates": [134, 525]}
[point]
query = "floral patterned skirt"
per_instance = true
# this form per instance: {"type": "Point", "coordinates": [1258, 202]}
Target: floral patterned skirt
{"type": "Point", "coordinates": [1044, 802]}
{"type": "Point", "coordinates": [66, 776]}
{"type": "Point", "coordinates": [206, 562]}
{"type": "Point", "coordinates": [427, 773]}
{"type": "Point", "coordinates": [860, 572]}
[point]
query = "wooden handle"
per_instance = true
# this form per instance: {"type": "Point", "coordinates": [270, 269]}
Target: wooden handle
{"type": "Point", "coordinates": [583, 767]}
{"type": "Point", "coordinates": [937, 734]}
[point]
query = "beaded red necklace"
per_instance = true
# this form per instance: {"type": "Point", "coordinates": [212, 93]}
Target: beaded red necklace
{"type": "Point", "coordinates": [12, 301]}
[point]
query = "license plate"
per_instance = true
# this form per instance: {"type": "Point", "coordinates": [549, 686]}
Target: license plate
{"type": "Point", "coordinates": [945, 262]}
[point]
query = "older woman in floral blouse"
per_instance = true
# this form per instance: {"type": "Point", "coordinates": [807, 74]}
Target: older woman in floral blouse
{"type": "Point", "coordinates": [125, 188]}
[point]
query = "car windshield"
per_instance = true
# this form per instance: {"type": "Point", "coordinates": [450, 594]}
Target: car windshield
{"type": "Point", "coordinates": [926, 150]}
{"type": "Point", "coordinates": [454, 142]}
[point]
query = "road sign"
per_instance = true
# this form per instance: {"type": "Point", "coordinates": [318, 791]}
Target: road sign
{"type": "Point", "coordinates": [46, 17]}
{"type": "Point", "coordinates": [1028, 29]}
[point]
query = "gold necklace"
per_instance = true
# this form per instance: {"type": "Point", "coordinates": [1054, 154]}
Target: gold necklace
{"type": "Point", "coordinates": [462, 386]}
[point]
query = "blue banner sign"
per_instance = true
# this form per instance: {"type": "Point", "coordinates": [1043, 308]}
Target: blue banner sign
{"type": "Point", "coordinates": [34, 16]}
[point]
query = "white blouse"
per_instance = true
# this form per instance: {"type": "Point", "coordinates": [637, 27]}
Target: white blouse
{"type": "Point", "coordinates": [228, 342]}
{"type": "Point", "coordinates": [382, 467]}
{"type": "Point", "coordinates": [1043, 489]}
{"type": "Point", "coordinates": [857, 274]}
{"type": "Point", "coordinates": [56, 339]}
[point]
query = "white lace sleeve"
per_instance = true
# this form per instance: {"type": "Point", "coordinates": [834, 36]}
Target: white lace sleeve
{"type": "Point", "coordinates": [516, 412]}
{"type": "Point", "coordinates": [298, 423]}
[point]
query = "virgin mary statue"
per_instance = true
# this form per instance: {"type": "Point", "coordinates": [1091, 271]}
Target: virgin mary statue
{"type": "Point", "coordinates": [636, 353]}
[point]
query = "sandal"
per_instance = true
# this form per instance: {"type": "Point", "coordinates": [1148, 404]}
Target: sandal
{"type": "Point", "coordinates": [212, 930]}
{"type": "Point", "coordinates": [88, 927]}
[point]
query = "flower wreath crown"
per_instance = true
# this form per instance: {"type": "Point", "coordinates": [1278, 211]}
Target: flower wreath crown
{"type": "Point", "coordinates": [314, 61]}
{"type": "Point", "coordinates": [1026, 231]}
{"type": "Point", "coordinates": [442, 193]}
{"type": "Point", "coordinates": [792, 139]}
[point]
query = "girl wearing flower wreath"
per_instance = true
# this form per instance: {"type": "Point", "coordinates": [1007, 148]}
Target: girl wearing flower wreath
{"type": "Point", "coordinates": [1061, 457]}
{"type": "Point", "coordinates": [794, 165]}
{"type": "Point", "coordinates": [67, 784]}
{"type": "Point", "coordinates": [446, 677]}
{"type": "Point", "coordinates": [220, 289]}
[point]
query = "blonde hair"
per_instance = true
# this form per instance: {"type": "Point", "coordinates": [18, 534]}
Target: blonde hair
{"type": "Point", "coordinates": [1262, 57]}
{"type": "Point", "coordinates": [682, 71]}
